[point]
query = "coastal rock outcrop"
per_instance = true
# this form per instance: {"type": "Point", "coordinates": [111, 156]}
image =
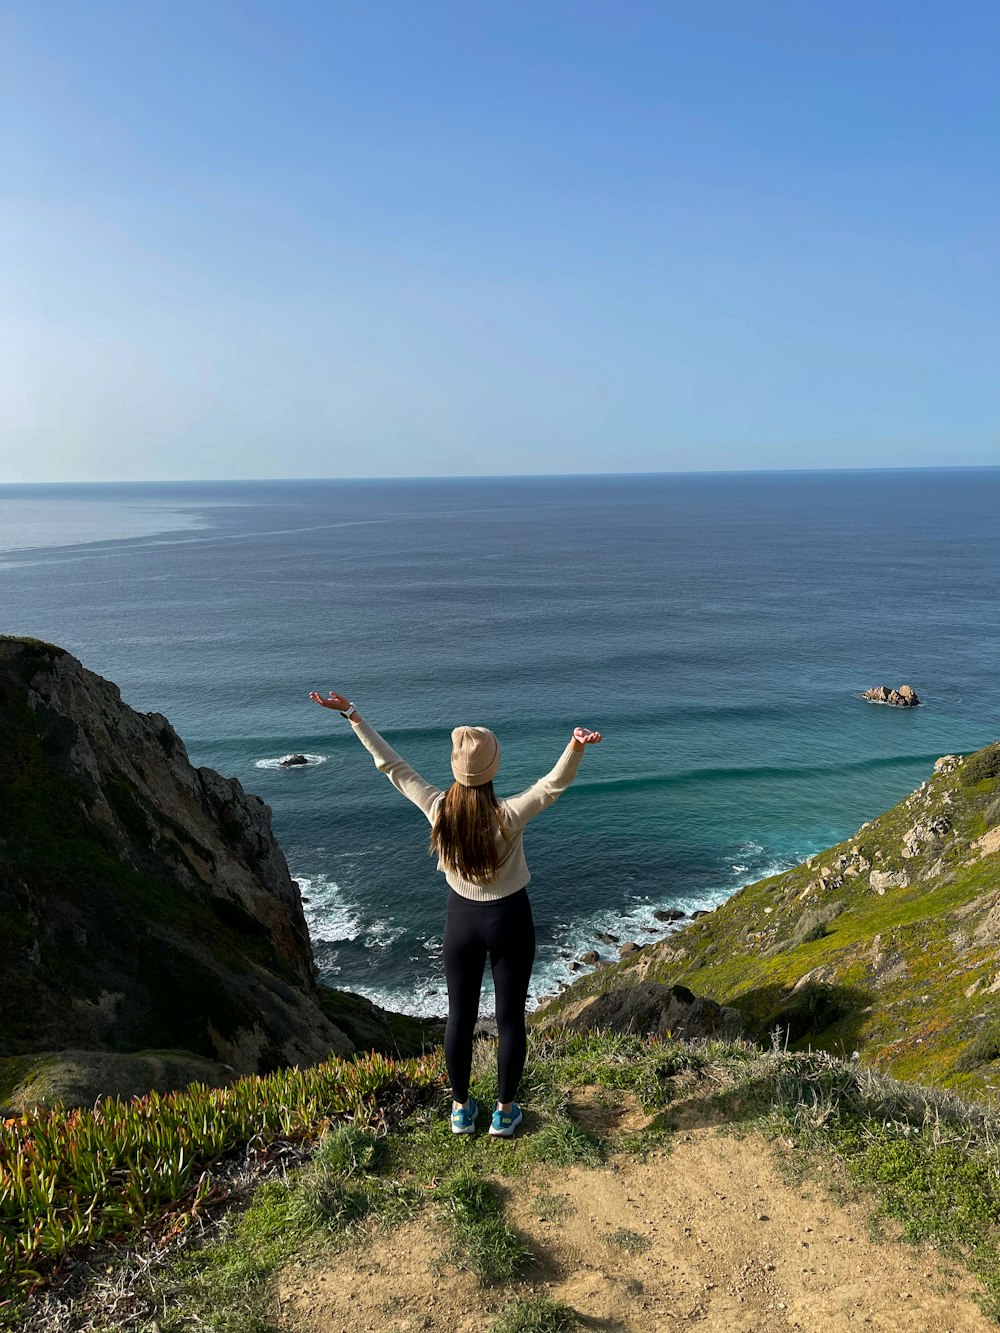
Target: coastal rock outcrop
{"type": "Point", "coordinates": [904, 697]}
{"type": "Point", "coordinates": [144, 903]}
{"type": "Point", "coordinates": [650, 1009]}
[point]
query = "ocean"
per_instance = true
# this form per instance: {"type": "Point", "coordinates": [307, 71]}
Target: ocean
{"type": "Point", "coordinates": [718, 629]}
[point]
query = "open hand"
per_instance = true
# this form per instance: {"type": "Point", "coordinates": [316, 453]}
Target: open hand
{"type": "Point", "coordinates": [585, 736]}
{"type": "Point", "coordinates": [332, 700]}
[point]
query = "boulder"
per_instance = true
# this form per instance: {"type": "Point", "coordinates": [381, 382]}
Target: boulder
{"type": "Point", "coordinates": [605, 937]}
{"type": "Point", "coordinates": [668, 914]}
{"type": "Point", "coordinates": [590, 957]}
{"type": "Point", "coordinates": [626, 950]}
{"type": "Point", "coordinates": [880, 880]}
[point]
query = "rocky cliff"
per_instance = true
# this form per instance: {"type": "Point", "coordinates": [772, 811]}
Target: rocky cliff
{"type": "Point", "coordinates": [144, 903]}
{"type": "Point", "coordinates": [887, 944]}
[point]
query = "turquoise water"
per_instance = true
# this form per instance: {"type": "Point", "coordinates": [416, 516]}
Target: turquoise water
{"type": "Point", "coordinates": [717, 629]}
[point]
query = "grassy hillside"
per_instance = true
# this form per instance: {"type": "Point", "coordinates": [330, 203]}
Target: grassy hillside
{"type": "Point", "coordinates": [887, 944]}
{"type": "Point", "coordinates": [652, 1182]}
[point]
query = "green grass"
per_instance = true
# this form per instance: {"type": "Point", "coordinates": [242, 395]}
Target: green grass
{"type": "Point", "coordinates": [536, 1315]}
{"type": "Point", "coordinates": [222, 1286]}
{"type": "Point", "coordinates": [482, 1239]}
{"type": "Point", "coordinates": [561, 1142]}
{"type": "Point", "coordinates": [342, 1186]}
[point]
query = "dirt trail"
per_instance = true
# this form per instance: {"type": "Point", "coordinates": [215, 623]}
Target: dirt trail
{"type": "Point", "coordinates": [704, 1234]}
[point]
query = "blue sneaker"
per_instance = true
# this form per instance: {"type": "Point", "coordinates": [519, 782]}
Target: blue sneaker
{"type": "Point", "coordinates": [505, 1122]}
{"type": "Point", "coordinates": [463, 1120]}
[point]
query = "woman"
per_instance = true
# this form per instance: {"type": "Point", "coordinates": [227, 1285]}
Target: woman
{"type": "Point", "coordinates": [478, 841]}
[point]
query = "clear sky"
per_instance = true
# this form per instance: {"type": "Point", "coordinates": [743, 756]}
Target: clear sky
{"type": "Point", "coordinates": [278, 238]}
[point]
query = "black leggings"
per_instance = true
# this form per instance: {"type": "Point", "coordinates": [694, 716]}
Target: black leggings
{"type": "Point", "coordinates": [505, 930]}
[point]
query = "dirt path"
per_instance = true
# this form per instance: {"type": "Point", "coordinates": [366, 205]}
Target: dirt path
{"type": "Point", "coordinates": [704, 1234]}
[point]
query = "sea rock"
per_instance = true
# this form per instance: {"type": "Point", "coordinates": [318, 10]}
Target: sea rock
{"type": "Point", "coordinates": [605, 937]}
{"type": "Point", "coordinates": [904, 697]}
{"type": "Point", "coordinates": [590, 957]}
{"type": "Point", "coordinates": [668, 914]}
{"type": "Point", "coordinates": [626, 950]}
{"type": "Point", "coordinates": [293, 761]}
{"type": "Point", "coordinates": [651, 1009]}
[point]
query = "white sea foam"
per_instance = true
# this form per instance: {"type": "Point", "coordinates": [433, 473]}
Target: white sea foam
{"type": "Point", "coordinates": [329, 918]}
{"type": "Point", "coordinates": [637, 923]}
{"type": "Point", "coordinates": [382, 934]}
{"type": "Point", "coordinates": [311, 760]}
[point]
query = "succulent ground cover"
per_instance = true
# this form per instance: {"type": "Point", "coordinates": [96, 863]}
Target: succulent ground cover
{"type": "Point", "coordinates": [69, 1179]}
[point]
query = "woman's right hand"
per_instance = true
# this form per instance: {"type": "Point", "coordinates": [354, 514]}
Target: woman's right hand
{"type": "Point", "coordinates": [332, 700]}
{"type": "Point", "coordinates": [585, 736]}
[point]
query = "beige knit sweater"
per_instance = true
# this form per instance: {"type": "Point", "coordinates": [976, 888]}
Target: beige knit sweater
{"type": "Point", "coordinates": [515, 812]}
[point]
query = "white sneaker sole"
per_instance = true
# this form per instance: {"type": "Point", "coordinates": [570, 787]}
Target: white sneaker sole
{"type": "Point", "coordinates": [505, 1133]}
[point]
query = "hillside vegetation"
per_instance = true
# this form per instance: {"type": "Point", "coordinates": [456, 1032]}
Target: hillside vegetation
{"type": "Point", "coordinates": [654, 1183]}
{"type": "Point", "coordinates": [887, 944]}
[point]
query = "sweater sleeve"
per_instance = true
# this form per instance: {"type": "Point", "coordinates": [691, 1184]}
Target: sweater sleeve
{"type": "Point", "coordinates": [545, 792]}
{"type": "Point", "coordinates": [423, 794]}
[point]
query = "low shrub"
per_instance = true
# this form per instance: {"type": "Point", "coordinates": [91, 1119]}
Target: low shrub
{"type": "Point", "coordinates": [978, 767]}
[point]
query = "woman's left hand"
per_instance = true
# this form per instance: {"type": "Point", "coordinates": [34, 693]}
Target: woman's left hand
{"type": "Point", "coordinates": [332, 700]}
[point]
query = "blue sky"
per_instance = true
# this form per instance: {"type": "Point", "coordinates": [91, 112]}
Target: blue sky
{"type": "Point", "coordinates": [405, 238]}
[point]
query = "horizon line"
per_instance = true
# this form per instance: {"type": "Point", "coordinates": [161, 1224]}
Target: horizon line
{"type": "Point", "coordinates": [516, 476]}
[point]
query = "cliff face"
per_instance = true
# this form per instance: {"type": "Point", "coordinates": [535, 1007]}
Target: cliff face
{"type": "Point", "coordinates": [887, 944]}
{"type": "Point", "coordinates": [143, 903]}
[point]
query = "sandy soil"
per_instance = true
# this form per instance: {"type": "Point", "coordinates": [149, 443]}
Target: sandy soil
{"type": "Point", "coordinates": [703, 1234]}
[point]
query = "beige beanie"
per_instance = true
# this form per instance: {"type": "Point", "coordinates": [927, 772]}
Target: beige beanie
{"type": "Point", "coordinates": [475, 756]}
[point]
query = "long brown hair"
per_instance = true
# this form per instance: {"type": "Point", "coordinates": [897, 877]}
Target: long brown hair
{"type": "Point", "coordinates": [463, 832]}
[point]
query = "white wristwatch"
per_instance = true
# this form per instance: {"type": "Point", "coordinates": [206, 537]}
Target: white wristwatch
{"type": "Point", "coordinates": [351, 710]}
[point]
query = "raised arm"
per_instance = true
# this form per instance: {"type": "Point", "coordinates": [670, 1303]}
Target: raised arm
{"type": "Point", "coordinates": [406, 780]}
{"type": "Point", "coordinates": [547, 790]}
